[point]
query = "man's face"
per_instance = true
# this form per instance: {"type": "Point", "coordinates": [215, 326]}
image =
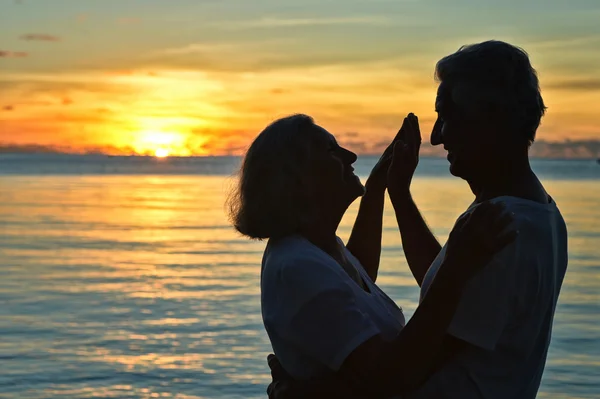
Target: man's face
{"type": "Point", "coordinates": [461, 136]}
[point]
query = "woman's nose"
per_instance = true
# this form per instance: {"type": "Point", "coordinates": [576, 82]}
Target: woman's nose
{"type": "Point", "coordinates": [350, 156]}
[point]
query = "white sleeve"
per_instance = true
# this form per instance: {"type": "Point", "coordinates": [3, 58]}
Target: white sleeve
{"type": "Point", "coordinates": [324, 320]}
{"type": "Point", "coordinates": [485, 306]}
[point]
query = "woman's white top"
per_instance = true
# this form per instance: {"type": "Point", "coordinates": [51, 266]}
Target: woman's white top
{"type": "Point", "coordinates": [314, 313]}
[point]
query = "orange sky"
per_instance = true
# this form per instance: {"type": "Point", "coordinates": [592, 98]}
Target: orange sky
{"type": "Point", "coordinates": [200, 77]}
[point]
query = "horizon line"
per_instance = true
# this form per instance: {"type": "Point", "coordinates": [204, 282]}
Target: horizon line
{"type": "Point", "coordinates": [92, 154]}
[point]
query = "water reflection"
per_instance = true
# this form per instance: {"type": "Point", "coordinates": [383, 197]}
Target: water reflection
{"type": "Point", "coordinates": [119, 286]}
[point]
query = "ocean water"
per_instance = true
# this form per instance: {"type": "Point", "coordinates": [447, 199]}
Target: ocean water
{"type": "Point", "coordinates": [121, 277]}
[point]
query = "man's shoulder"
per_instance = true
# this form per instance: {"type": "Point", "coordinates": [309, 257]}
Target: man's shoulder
{"type": "Point", "coordinates": [535, 221]}
{"type": "Point", "coordinates": [539, 253]}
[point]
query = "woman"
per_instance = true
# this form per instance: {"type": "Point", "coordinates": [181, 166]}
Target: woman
{"type": "Point", "coordinates": [321, 308]}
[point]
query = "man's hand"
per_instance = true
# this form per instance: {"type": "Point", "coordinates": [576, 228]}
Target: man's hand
{"type": "Point", "coordinates": [378, 178]}
{"type": "Point", "coordinates": [405, 157]}
{"type": "Point", "coordinates": [284, 386]}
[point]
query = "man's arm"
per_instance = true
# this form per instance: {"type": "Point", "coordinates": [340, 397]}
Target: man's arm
{"type": "Point", "coordinates": [378, 368]}
{"type": "Point", "coordinates": [418, 242]}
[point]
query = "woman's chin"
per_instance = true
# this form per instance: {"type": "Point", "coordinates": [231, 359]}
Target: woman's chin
{"type": "Point", "coordinates": [362, 190]}
{"type": "Point", "coordinates": [357, 188]}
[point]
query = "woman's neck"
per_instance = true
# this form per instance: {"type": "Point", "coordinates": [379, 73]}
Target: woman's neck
{"type": "Point", "coordinates": [325, 239]}
{"type": "Point", "coordinates": [322, 232]}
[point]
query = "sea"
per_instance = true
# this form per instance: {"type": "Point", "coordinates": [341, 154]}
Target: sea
{"type": "Point", "coordinates": [121, 277]}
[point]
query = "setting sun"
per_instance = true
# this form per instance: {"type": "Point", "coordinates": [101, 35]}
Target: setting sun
{"type": "Point", "coordinates": [161, 152]}
{"type": "Point", "coordinates": [159, 143]}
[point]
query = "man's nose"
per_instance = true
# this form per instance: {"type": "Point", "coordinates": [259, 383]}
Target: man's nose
{"type": "Point", "coordinates": [436, 133]}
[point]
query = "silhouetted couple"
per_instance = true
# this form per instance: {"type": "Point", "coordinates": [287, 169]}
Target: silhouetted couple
{"type": "Point", "coordinates": [483, 325]}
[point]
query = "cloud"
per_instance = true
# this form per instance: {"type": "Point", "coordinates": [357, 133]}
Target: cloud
{"type": "Point", "coordinates": [8, 108]}
{"type": "Point", "coordinates": [591, 84]}
{"type": "Point", "coordinates": [194, 48]}
{"type": "Point", "coordinates": [128, 21]}
{"type": "Point", "coordinates": [238, 143]}
{"type": "Point", "coordinates": [40, 37]}
{"type": "Point", "coordinates": [81, 18]}
{"type": "Point", "coordinates": [580, 149]}
{"type": "Point", "coordinates": [566, 149]}
{"type": "Point", "coordinates": [30, 86]}
{"type": "Point", "coordinates": [229, 49]}
{"type": "Point", "coordinates": [56, 149]}
{"type": "Point", "coordinates": [26, 149]}
{"type": "Point", "coordinates": [13, 54]}
{"type": "Point", "coordinates": [273, 22]}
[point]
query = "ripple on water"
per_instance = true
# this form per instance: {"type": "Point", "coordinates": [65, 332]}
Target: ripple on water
{"type": "Point", "coordinates": [137, 288]}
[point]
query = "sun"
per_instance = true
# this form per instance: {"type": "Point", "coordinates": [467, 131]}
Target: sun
{"type": "Point", "coordinates": [161, 152]}
{"type": "Point", "coordinates": [160, 143]}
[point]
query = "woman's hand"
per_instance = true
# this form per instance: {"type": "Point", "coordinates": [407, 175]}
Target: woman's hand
{"type": "Point", "coordinates": [475, 239]}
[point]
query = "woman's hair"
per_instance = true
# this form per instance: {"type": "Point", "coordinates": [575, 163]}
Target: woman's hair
{"type": "Point", "coordinates": [272, 196]}
{"type": "Point", "coordinates": [495, 80]}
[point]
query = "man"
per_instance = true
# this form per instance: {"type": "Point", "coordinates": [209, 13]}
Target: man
{"type": "Point", "coordinates": [489, 107]}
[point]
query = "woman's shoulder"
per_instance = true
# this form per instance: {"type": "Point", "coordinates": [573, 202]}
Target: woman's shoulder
{"type": "Point", "coordinates": [295, 257]}
{"type": "Point", "coordinates": [286, 249]}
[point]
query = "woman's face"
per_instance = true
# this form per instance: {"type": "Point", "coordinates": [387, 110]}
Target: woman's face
{"type": "Point", "coordinates": [332, 173]}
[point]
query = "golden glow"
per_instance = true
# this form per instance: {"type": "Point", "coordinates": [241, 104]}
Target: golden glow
{"type": "Point", "coordinates": [181, 113]}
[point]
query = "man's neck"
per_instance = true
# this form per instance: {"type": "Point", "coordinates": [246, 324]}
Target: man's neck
{"type": "Point", "coordinates": [515, 179]}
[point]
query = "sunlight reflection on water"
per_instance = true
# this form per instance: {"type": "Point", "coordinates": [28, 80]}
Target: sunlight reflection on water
{"type": "Point", "coordinates": [136, 287]}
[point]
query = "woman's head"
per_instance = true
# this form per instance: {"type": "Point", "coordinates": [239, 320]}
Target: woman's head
{"type": "Point", "coordinates": [293, 176]}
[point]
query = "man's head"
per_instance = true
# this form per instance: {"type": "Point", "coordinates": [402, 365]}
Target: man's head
{"type": "Point", "coordinates": [489, 107]}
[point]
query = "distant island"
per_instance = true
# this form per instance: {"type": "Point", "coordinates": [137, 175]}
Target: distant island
{"type": "Point", "coordinates": [580, 149]}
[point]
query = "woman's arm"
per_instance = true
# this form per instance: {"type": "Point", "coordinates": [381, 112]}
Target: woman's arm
{"type": "Point", "coordinates": [365, 239]}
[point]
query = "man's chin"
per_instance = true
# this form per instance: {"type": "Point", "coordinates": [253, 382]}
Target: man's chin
{"type": "Point", "coordinates": [456, 170]}
{"type": "Point", "coordinates": [452, 169]}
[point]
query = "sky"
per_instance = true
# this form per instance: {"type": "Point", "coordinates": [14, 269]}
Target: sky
{"type": "Point", "coordinates": [204, 77]}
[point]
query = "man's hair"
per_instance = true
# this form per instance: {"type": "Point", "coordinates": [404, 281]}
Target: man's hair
{"type": "Point", "coordinates": [495, 80]}
{"type": "Point", "coordinates": [271, 199]}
